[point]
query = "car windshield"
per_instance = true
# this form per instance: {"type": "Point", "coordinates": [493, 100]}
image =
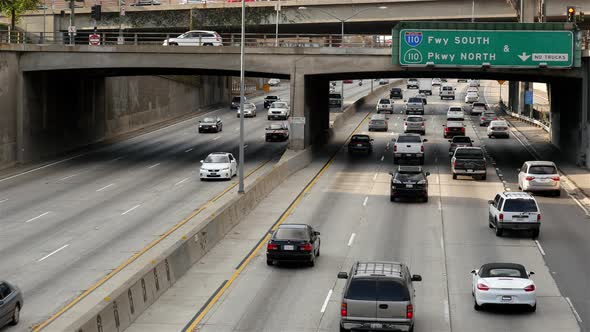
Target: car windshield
{"type": "Point", "coordinates": [414, 119]}
{"type": "Point", "coordinates": [455, 109]}
{"type": "Point", "coordinates": [279, 105]}
{"type": "Point", "coordinates": [249, 106]}
{"type": "Point", "coordinates": [447, 88]}
{"type": "Point", "coordinates": [377, 121]}
{"type": "Point", "coordinates": [520, 205]}
{"type": "Point", "coordinates": [542, 170]}
{"type": "Point", "coordinates": [490, 114]}
{"type": "Point", "coordinates": [360, 138]}
{"type": "Point", "coordinates": [236, 99]}
{"type": "Point", "coordinates": [461, 139]}
{"type": "Point", "coordinates": [276, 126]}
{"type": "Point", "coordinates": [412, 177]}
{"type": "Point", "coordinates": [272, 97]}
{"type": "Point", "coordinates": [216, 158]}
{"type": "Point", "coordinates": [415, 100]}
{"type": "Point", "coordinates": [468, 154]}
{"type": "Point", "coordinates": [209, 120]}
{"type": "Point", "coordinates": [284, 233]}
{"type": "Point", "coordinates": [479, 105]}
{"type": "Point", "coordinates": [384, 101]}
{"type": "Point", "coordinates": [504, 272]}
{"type": "Point", "coordinates": [409, 139]}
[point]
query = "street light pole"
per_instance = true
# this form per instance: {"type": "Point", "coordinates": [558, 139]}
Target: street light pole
{"type": "Point", "coordinates": [241, 147]}
{"type": "Point", "coordinates": [277, 24]}
{"type": "Point", "coordinates": [472, 11]}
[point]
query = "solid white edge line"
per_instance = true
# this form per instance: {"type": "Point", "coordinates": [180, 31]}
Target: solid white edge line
{"type": "Point", "coordinates": [3, 200]}
{"type": "Point", "coordinates": [188, 150]}
{"type": "Point", "coordinates": [569, 302]}
{"type": "Point", "coordinates": [67, 177]}
{"type": "Point", "coordinates": [365, 201]}
{"type": "Point", "coordinates": [154, 165]}
{"type": "Point", "coordinates": [218, 137]}
{"type": "Point", "coordinates": [540, 248]}
{"type": "Point", "coordinates": [352, 236]}
{"type": "Point", "coordinates": [37, 217]}
{"type": "Point", "coordinates": [105, 187]}
{"type": "Point", "coordinates": [439, 205]}
{"type": "Point", "coordinates": [133, 208]}
{"type": "Point", "coordinates": [447, 311]}
{"type": "Point", "coordinates": [42, 167]}
{"type": "Point", "coordinates": [382, 157]}
{"type": "Point", "coordinates": [579, 204]}
{"type": "Point", "coordinates": [181, 181]}
{"type": "Point", "coordinates": [325, 305]}
{"type": "Point", "coordinates": [53, 252]}
{"type": "Point", "coordinates": [374, 178]}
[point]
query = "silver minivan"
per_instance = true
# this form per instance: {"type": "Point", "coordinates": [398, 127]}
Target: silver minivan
{"type": "Point", "coordinates": [378, 296]}
{"type": "Point", "coordinates": [447, 91]}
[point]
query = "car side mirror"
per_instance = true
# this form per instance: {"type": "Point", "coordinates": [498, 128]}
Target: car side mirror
{"type": "Point", "coordinates": [316, 233]}
{"type": "Point", "coordinates": [199, 121]}
{"type": "Point", "coordinates": [372, 140]}
{"type": "Point", "coordinates": [201, 161]}
{"type": "Point", "coordinates": [444, 125]}
{"type": "Point", "coordinates": [342, 275]}
{"type": "Point", "coordinates": [427, 173]}
{"type": "Point", "coordinates": [416, 277]}
{"type": "Point", "coordinates": [473, 271]}
{"type": "Point", "coordinates": [531, 273]}
{"type": "Point", "coordinates": [450, 141]}
{"type": "Point", "coordinates": [424, 140]}
{"type": "Point", "coordinates": [390, 173]}
{"type": "Point", "coordinates": [491, 201]}
{"type": "Point", "coordinates": [405, 100]}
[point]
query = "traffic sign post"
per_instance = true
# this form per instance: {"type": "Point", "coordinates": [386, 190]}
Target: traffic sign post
{"type": "Point", "coordinates": [486, 48]}
{"type": "Point", "coordinates": [94, 39]}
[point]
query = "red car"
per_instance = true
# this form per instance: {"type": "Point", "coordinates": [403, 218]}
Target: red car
{"type": "Point", "coordinates": [347, 81]}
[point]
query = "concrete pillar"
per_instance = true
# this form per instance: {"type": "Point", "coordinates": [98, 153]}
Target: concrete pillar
{"type": "Point", "coordinates": [567, 131]}
{"type": "Point", "coordinates": [299, 130]}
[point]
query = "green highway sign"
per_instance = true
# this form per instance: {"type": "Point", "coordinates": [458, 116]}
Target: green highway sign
{"type": "Point", "coordinates": [493, 48]}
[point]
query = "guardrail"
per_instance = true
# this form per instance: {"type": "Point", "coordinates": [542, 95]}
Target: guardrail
{"type": "Point", "coordinates": [64, 4]}
{"type": "Point", "coordinates": [542, 124]}
{"type": "Point", "coordinates": [154, 38]}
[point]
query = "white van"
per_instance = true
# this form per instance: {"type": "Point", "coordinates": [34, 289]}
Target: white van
{"type": "Point", "coordinates": [447, 91]}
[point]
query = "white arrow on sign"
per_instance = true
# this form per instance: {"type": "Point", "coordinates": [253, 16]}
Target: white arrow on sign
{"type": "Point", "coordinates": [524, 56]}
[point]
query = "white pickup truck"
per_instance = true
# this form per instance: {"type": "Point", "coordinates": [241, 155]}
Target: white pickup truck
{"type": "Point", "coordinates": [409, 147]}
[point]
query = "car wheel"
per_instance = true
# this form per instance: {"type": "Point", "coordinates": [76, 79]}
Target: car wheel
{"type": "Point", "coordinates": [454, 176]}
{"type": "Point", "coordinates": [312, 262]}
{"type": "Point", "coordinates": [557, 193]}
{"type": "Point", "coordinates": [499, 231]}
{"type": "Point", "coordinates": [476, 306]}
{"type": "Point", "coordinates": [15, 315]}
{"type": "Point", "coordinates": [395, 160]}
{"type": "Point", "coordinates": [422, 161]}
{"type": "Point", "coordinates": [237, 116]}
{"type": "Point", "coordinates": [533, 308]}
{"type": "Point", "coordinates": [535, 234]}
{"type": "Point", "coordinates": [483, 177]}
{"type": "Point", "coordinates": [370, 151]}
{"type": "Point", "coordinates": [423, 133]}
{"type": "Point", "coordinates": [425, 199]}
{"type": "Point", "coordinates": [318, 253]}
{"type": "Point", "coordinates": [342, 329]}
{"type": "Point", "coordinates": [200, 131]}
{"type": "Point", "coordinates": [269, 262]}
{"type": "Point", "coordinates": [391, 198]}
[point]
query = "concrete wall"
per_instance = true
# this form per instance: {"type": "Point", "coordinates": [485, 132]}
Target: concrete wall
{"type": "Point", "coordinates": [64, 111]}
{"type": "Point", "coordinates": [8, 108]}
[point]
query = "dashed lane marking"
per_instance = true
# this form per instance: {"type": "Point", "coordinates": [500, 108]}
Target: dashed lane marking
{"type": "Point", "coordinates": [133, 208]}
{"type": "Point", "coordinates": [37, 217]}
{"type": "Point", "coordinates": [351, 240]}
{"type": "Point", "coordinates": [540, 248]}
{"type": "Point", "coordinates": [154, 165]}
{"type": "Point", "coordinates": [105, 187]}
{"type": "Point", "coordinates": [325, 305]}
{"type": "Point", "coordinates": [52, 253]}
{"type": "Point", "coordinates": [569, 302]}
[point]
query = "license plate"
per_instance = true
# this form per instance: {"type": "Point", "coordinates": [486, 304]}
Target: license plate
{"type": "Point", "coordinates": [409, 186]}
{"type": "Point", "coordinates": [506, 298]}
{"type": "Point", "coordinates": [408, 154]}
{"type": "Point", "coordinates": [469, 171]}
{"type": "Point", "coordinates": [359, 145]}
{"type": "Point", "coordinates": [288, 247]}
{"type": "Point", "coordinates": [213, 174]}
{"type": "Point", "coordinates": [376, 325]}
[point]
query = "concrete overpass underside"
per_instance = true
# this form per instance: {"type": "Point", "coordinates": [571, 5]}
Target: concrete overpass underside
{"type": "Point", "coordinates": [66, 83]}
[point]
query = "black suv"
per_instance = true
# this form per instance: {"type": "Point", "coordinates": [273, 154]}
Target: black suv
{"type": "Point", "coordinates": [235, 102]}
{"type": "Point", "coordinates": [378, 296]}
{"type": "Point", "coordinates": [362, 143]}
{"type": "Point", "coordinates": [396, 93]}
{"type": "Point", "coordinates": [409, 181]}
{"type": "Point", "coordinates": [268, 100]}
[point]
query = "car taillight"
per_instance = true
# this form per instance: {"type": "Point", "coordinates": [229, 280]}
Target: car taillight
{"type": "Point", "coordinates": [555, 178]}
{"type": "Point", "coordinates": [306, 247]}
{"type": "Point", "coordinates": [501, 216]}
{"type": "Point", "coordinates": [529, 178]}
{"type": "Point", "coordinates": [483, 287]}
{"type": "Point", "coordinates": [539, 217]}
{"type": "Point", "coordinates": [343, 310]}
{"type": "Point", "coordinates": [463, 130]}
{"type": "Point", "coordinates": [409, 311]}
{"type": "Point", "coordinates": [422, 148]}
{"type": "Point", "coordinates": [529, 288]}
{"type": "Point", "coordinates": [446, 129]}
{"type": "Point", "coordinates": [495, 118]}
{"type": "Point", "coordinates": [405, 123]}
{"type": "Point", "coordinates": [483, 118]}
{"type": "Point", "coordinates": [454, 162]}
{"type": "Point", "coordinates": [272, 246]}
{"type": "Point", "coordinates": [395, 148]}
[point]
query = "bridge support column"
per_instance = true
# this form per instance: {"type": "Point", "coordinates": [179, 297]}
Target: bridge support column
{"type": "Point", "coordinates": [568, 132]}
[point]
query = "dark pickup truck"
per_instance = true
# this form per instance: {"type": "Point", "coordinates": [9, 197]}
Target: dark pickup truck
{"type": "Point", "coordinates": [277, 132]}
{"type": "Point", "coordinates": [459, 141]}
{"type": "Point", "coordinates": [469, 161]}
{"type": "Point", "coordinates": [268, 100]}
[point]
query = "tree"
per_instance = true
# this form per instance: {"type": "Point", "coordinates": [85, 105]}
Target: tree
{"type": "Point", "coordinates": [14, 8]}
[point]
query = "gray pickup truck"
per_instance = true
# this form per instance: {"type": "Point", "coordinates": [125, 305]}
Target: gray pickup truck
{"type": "Point", "coordinates": [335, 100]}
{"type": "Point", "coordinates": [415, 105]}
{"type": "Point", "coordinates": [469, 161]}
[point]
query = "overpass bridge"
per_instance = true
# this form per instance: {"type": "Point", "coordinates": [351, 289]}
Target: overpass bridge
{"type": "Point", "coordinates": [57, 78]}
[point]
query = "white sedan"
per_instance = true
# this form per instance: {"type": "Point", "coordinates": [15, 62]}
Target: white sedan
{"type": "Point", "coordinates": [471, 97]}
{"type": "Point", "coordinates": [249, 110]}
{"type": "Point", "coordinates": [503, 284]}
{"type": "Point", "coordinates": [218, 165]}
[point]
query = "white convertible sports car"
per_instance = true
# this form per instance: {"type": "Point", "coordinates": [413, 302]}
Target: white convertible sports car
{"type": "Point", "coordinates": [503, 284]}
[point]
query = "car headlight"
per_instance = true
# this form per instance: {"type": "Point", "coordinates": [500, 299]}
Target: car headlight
{"type": "Point", "coordinates": [225, 169]}
{"type": "Point", "coordinates": [422, 182]}
{"type": "Point", "coordinates": [396, 181]}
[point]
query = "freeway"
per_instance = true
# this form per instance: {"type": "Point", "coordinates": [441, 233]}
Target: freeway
{"type": "Point", "coordinates": [443, 240]}
{"type": "Point", "coordinates": [67, 225]}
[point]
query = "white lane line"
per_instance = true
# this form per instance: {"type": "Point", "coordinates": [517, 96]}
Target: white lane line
{"type": "Point", "coordinates": [326, 301]}
{"type": "Point", "coordinates": [3, 200]}
{"type": "Point", "coordinates": [118, 158]}
{"type": "Point", "coordinates": [577, 202]}
{"type": "Point", "coordinates": [374, 178]}
{"type": "Point", "coordinates": [42, 167]}
{"type": "Point", "coordinates": [68, 177]}
{"type": "Point", "coordinates": [188, 150]}
{"type": "Point", "coordinates": [37, 217]}
{"type": "Point", "coordinates": [540, 248]}
{"type": "Point", "coordinates": [218, 137]}
{"type": "Point", "coordinates": [569, 302]}
{"type": "Point", "coordinates": [53, 252]}
{"type": "Point", "coordinates": [382, 157]}
{"type": "Point", "coordinates": [245, 146]}
{"type": "Point", "coordinates": [439, 206]}
{"type": "Point", "coordinates": [181, 181]}
{"type": "Point", "coordinates": [105, 187]}
{"type": "Point", "coordinates": [154, 165]}
{"type": "Point", "coordinates": [352, 236]}
{"type": "Point", "coordinates": [387, 147]}
{"type": "Point", "coordinates": [237, 129]}
{"type": "Point", "coordinates": [133, 208]}
{"type": "Point", "coordinates": [447, 315]}
{"type": "Point", "coordinates": [365, 201]}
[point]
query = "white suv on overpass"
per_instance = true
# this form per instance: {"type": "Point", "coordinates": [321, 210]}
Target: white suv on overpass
{"type": "Point", "coordinates": [195, 38]}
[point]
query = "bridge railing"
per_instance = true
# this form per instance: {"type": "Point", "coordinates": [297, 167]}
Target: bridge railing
{"type": "Point", "coordinates": [152, 38]}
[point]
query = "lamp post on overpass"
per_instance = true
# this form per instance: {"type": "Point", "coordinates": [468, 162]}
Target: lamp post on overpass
{"type": "Point", "coordinates": [241, 145]}
{"type": "Point", "coordinates": [342, 20]}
